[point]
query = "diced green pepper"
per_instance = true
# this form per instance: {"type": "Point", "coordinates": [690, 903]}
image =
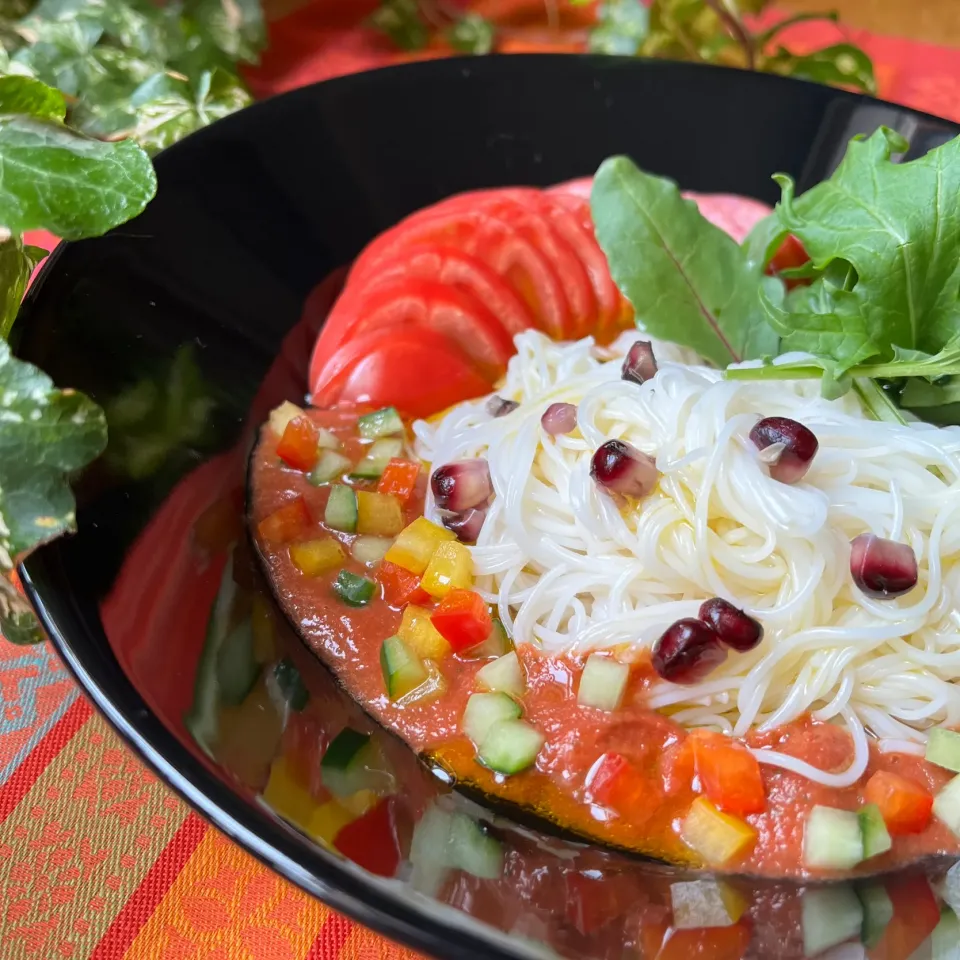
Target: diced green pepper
{"type": "Point", "coordinates": [353, 590]}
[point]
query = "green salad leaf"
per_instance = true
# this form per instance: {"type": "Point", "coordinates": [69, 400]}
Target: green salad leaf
{"type": "Point", "coordinates": [54, 179]}
{"type": "Point", "coordinates": [687, 280]}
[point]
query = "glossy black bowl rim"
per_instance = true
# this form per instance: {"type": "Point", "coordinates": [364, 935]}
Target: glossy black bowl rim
{"type": "Point", "coordinates": [279, 847]}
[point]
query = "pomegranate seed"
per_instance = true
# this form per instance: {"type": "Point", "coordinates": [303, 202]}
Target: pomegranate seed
{"type": "Point", "coordinates": [687, 652]}
{"type": "Point", "coordinates": [622, 468]}
{"type": "Point", "coordinates": [466, 525]}
{"type": "Point", "coordinates": [498, 407]}
{"type": "Point", "coordinates": [792, 447]}
{"type": "Point", "coordinates": [640, 364]}
{"type": "Point", "coordinates": [461, 485]}
{"type": "Point", "coordinates": [559, 418]}
{"type": "Point", "coordinates": [882, 569]}
{"type": "Point", "coordinates": [734, 628]}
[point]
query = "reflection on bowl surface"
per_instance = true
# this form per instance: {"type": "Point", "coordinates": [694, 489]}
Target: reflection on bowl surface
{"type": "Point", "coordinates": [191, 324]}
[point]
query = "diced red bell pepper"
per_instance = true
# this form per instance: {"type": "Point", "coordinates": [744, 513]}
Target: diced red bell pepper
{"type": "Point", "coordinates": [705, 943]}
{"type": "Point", "coordinates": [906, 806]}
{"type": "Point", "coordinates": [618, 784]}
{"type": "Point", "coordinates": [371, 840]}
{"type": "Point", "coordinates": [729, 773]}
{"type": "Point", "coordinates": [462, 619]}
{"type": "Point", "coordinates": [304, 742]}
{"type": "Point", "coordinates": [299, 446]}
{"type": "Point", "coordinates": [916, 912]}
{"type": "Point", "coordinates": [400, 586]}
{"type": "Point", "coordinates": [399, 479]}
{"type": "Point", "coordinates": [287, 523]}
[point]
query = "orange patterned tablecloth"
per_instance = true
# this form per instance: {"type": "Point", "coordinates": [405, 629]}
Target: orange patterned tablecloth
{"type": "Point", "coordinates": [97, 858]}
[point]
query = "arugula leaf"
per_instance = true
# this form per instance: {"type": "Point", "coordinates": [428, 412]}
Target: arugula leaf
{"type": "Point", "coordinates": [16, 266]}
{"type": "Point", "coordinates": [472, 34]}
{"type": "Point", "coordinates": [47, 434]}
{"type": "Point", "coordinates": [54, 179]}
{"type": "Point", "coordinates": [168, 107]}
{"type": "Point", "coordinates": [688, 281]}
{"type": "Point", "coordinates": [898, 226]}
{"type": "Point", "coordinates": [622, 27]}
{"type": "Point", "coordinates": [400, 20]}
{"type": "Point", "coordinates": [29, 96]}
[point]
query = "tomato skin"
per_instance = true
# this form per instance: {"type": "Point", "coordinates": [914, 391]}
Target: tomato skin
{"type": "Point", "coordinates": [389, 370]}
{"type": "Point", "coordinates": [791, 254]}
{"type": "Point", "coordinates": [423, 304]}
{"type": "Point", "coordinates": [299, 445]}
{"type": "Point", "coordinates": [729, 773]}
{"type": "Point", "coordinates": [906, 806]}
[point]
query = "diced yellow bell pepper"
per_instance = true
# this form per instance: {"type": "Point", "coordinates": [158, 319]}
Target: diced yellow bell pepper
{"type": "Point", "coordinates": [450, 568]}
{"type": "Point", "coordinates": [717, 837]}
{"type": "Point", "coordinates": [378, 514]}
{"type": "Point", "coordinates": [314, 557]}
{"type": "Point", "coordinates": [414, 547]}
{"type": "Point", "coordinates": [418, 633]}
{"type": "Point", "coordinates": [286, 796]}
{"type": "Point", "coordinates": [327, 821]}
{"type": "Point", "coordinates": [360, 802]}
{"type": "Point", "coordinates": [282, 415]}
{"type": "Point", "coordinates": [261, 621]}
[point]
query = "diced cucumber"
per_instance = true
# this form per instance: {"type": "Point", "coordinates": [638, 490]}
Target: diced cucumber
{"type": "Point", "coordinates": [943, 749]}
{"type": "Point", "coordinates": [496, 645]}
{"type": "Point", "coordinates": [832, 839]}
{"type": "Point", "coordinates": [444, 840]}
{"type": "Point", "coordinates": [290, 684]}
{"type": "Point", "coordinates": [202, 719]}
{"type": "Point", "coordinates": [341, 510]}
{"type": "Point", "coordinates": [830, 916]}
{"type": "Point", "coordinates": [945, 939]}
{"type": "Point", "coordinates": [403, 670]}
{"type": "Point", "coordinates": [381, 452]}
{"type": "Point", "coordinates": [380, 423]}
{"type": "Point", "coordinates": [701, 903]}
{"type": "Point", "coordinates": [873, 832]}
{"type": "Point", "coordinates": [603, 682]}
{"type": "Point", "coordinates": [331, 466]}
{"type": "Point", "coordinates": [353, 590]}
{"type": "Point", "coordinates": [354, 762]}
{"type": "Point", "coordinates": [370, 550]}
{"type": "Point", "coordinates": [949, 888]}
{"type": "Point", "coordinates": [877, 912]}
{"type": "Point", "coordinates": [510, 746]}
{"type": "Point", "coordinates": [237, 670]}
{"type": "Point", "coordinates": [484, 710]}
{"type": "Point", "coordinates": [503, 675]}
{"type": "Point", "coordinates": [946, 805]}
{"type": "Point", "coordinates": [472, 850]}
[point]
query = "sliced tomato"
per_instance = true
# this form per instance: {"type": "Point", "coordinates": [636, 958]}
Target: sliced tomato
{"type": "Point", "coordinates": [736, 216]}
{"type": "Point", "coordinates": [417, 371]}
{"type": "Point", "coordinates": [428, 305]}
{"type": "Point", "coordinates": [580, 187]}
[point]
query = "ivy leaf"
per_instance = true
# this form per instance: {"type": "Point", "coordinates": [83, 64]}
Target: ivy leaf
{"type": "Point", "coordinates": [235, 26]}
{"type": "Point", "coordinates": [18, 624]}
{"type": "Point", "coordinates": [52, 178]}
{"type": "Point", "coordinates": [687, 280]}
{"type": "Point", "coordinates": [622, 27]}
{"type": "Point", "coordinates": [31, 97]}
{"type": "Point", "coordinates": [472, 34]}
{"type": "Point", "coordinates": [400, 20]}
{"type": "Point", "coordinates": [16, 265]}
{"type": "Point", "coordinates": [842, 64]}
{"type": "Point", "coordinates": [168, 107]}
{"type": "Point", "coordinates": [47, 434]}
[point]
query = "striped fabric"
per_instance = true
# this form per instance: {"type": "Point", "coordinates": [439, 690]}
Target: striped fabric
{"type": "Point", "coordinates": [97, 859]}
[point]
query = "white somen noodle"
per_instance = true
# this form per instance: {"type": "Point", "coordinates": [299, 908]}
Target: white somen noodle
{"type": "Point", "coordinates": [568, 570]}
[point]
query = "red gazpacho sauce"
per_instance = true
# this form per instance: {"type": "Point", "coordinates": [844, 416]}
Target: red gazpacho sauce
{"type": "Point", "coordinates": [348, 639]}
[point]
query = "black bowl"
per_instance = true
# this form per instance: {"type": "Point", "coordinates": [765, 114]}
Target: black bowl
{"type": "Point", "coordinates": [187, 325]}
